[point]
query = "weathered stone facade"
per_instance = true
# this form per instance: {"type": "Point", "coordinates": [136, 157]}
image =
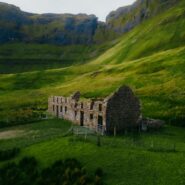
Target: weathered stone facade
{"type": "Point", "coordinates": [123, 111]}
{"type": "Point", "coordinates": [119, 111]}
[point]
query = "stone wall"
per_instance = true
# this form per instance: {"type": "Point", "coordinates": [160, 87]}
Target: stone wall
{"type": "Point", "coordinates": [123, 111]}
{"type": "Point", "coordinates": [120, 110]}
{"type": "Point", "coordinates": [90, 113]}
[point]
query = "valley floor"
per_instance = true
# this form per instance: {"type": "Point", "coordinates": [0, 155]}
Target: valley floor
{"type": "Point", "coordinates": [147, 159]}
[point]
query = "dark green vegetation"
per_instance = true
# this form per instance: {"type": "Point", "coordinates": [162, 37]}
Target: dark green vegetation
{"type": "Point", "coordinates": [68, 172]}
{"type": "Point", "coordinates": [150, 158]}
{"type": "Point", "coordinates": [21, 57]}
{"type": "Point", "coordinates": [8, 154]}
{"type": "Point", "coordinates": [150, 59]}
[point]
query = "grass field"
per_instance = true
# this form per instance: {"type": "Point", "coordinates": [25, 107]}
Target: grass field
{"type": "Point", "coordinates": [149, 158]}
{"type": "Point", "coordinates": [25, 135]}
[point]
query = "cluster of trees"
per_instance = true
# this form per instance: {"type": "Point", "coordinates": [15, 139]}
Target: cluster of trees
{"type": "Point", "coordinates": [67, 172]}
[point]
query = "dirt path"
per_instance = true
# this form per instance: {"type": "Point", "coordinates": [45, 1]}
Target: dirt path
{"type": "Point", "coordinates": [11, 134]}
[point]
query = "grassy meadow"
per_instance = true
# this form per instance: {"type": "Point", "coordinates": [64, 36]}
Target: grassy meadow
{"type": "Point", "coordinates": [150, 158]}
{"type": "Point", "coordinates": [25, 135]}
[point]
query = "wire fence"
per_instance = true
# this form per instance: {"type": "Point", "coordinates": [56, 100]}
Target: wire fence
{"type": "Point", "coordinates": [129, 141]}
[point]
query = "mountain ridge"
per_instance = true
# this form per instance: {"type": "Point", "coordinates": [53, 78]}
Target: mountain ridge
{"type": "Point", "coordinates": [68, 29]}
{"type": "Point", "coordinates": [126, 18]}
{"type": "Point", "coordinates": [19, 26]}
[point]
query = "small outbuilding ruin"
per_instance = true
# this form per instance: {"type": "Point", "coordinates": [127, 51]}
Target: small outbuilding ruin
{"type": "Point", "coordinates": [116, 113]}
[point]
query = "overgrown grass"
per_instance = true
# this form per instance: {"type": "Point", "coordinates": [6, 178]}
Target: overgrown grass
{"type": "Point", "coordinates": [35, 133]}
{"type": "Point", "coordinates": [124, 159]}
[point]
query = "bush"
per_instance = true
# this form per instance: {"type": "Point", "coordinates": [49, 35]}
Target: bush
{"type": "Point", "coordinates": [8, 154]}
{"type": "Point", "coordinates": [67, 172]}
{"type": "Point", "coordinates": [21, 116]}
{"type": "Point", "coordinates": [99, 172]}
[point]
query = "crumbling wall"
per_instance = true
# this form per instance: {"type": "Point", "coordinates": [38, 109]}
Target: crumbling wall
{"type": "Point", "coordinates": [85, 113]}
{"type": "Point", "coordinates": [123, 111]}
{"type": "Point", "coordinates": [120, 111]}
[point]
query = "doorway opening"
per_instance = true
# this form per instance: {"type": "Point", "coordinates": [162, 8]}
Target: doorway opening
{"type": "Point", "coordinates": [57, 111]}
{"type": "Point", "coordinates": [100, 122]}
{"type": "Point", "coordinates": [81, 118]}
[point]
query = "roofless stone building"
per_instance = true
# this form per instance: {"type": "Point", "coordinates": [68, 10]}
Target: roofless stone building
{"type": "Point", "coordinates": [119, 111]}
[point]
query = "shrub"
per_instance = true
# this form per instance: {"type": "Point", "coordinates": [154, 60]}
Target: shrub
{"type": "Point", "coordinates": [67, 172]}
{"type": "Point", "coordinates": [8, 154]}
{"type": "Point", "coordinates": [99, 172]}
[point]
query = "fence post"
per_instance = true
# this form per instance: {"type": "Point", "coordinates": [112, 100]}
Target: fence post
{"type": "Point", "coordinates": [152, 144]}
{"type": "Point", "coordinates": [114, 130]}
{"type": "Point", "coordinates": [72, 130]}
{"type": "Point", "coordinates": [98, 140]}
{"type": "Point", "coordinates": [174, 147]}
{"type": "Point", "coordinates": [85, 135]}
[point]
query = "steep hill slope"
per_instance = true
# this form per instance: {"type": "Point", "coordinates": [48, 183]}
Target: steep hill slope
{"type": "Point", "coordinates": [126, 18]}
{"type": "Point", "coordinates": [23, 57]}
{"type": "Point", "coordinates": [149, 58]}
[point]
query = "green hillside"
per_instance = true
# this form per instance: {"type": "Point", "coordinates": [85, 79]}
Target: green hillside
{"type": "Point", "coordinates": [21, 57]}
{"type": "Point", "coordinates": [149, 58]}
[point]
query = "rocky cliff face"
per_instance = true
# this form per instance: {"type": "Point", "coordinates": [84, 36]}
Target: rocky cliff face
{"type": "Point", "coordinates": [126, 18]}
{"type": "Point", "coordinates": [11, 19]}
{"type": "Point", "coordinates": [66, 29]}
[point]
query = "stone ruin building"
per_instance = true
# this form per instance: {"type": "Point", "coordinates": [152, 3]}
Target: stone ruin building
{"type": "Point", "coordinates": [116, 113]}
